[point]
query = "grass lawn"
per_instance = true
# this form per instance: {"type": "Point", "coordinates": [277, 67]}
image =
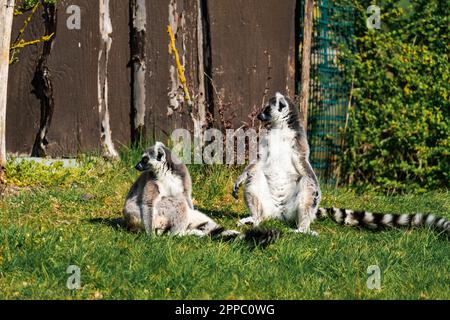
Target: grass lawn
{"type": "Point", "coordinates": [61, 217]}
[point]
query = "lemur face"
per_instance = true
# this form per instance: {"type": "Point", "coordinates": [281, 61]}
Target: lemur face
{"type": "Point", "coordinates": [276, 110]}
{"type": "Point", "coordinates": [153, 158]}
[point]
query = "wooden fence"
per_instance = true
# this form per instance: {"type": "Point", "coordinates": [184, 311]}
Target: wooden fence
{"type": "Point", "coordinates": [107, 77]}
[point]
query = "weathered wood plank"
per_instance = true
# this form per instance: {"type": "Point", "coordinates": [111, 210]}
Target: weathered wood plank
{"type": "Point", "coordinates": [74, 66]}
{"type": "Point", "coordinates": [6, 17]}
{"type": "Point", "coordinates": [23, 108]}
{"type": "Point", "coordinates": [306, 60]}
{"type": "Point", "coordinates": [138, 64]}
{"type": "Point", "coordinates": [166, 110]}
{"type": "Point", "coordinates": [252, 46]}
{"type": "Point", "coordinates": [119, 74]}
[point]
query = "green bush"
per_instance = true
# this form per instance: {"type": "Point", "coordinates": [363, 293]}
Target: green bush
{"type": "Point", "coordinates": [398, 137]}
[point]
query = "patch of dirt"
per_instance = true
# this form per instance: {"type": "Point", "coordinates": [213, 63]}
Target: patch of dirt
{"type": "Point", "coordinates": [11, 190]}
{"type": "Point", "coordinates": [87, 197]}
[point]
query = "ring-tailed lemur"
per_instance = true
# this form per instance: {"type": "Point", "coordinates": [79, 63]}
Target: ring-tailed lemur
{"type": "Point", "coordinates": [281, 183]}
{"type": "Point", "coordinates": [160, 201]}
{"type": "Point", "coordinates": [169, 177]}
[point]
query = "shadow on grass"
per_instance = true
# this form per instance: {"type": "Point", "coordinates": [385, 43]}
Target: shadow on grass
{"type": "Point", "coordinates": [252, 243]}
{"type": "Point", "coordinates": [115, 223]}
{"type": "Point", "coordinates": [217, 213]}
{"type": "Point", "coordinates": [119, 223]}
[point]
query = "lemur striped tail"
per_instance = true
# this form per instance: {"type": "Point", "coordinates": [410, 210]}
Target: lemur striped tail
{"type": "Point", "coordinates": [255, 236]}
{"type": "Point", "coordinates": [382, 220]}
{"type": "Point", "coordinates": [261, 237]}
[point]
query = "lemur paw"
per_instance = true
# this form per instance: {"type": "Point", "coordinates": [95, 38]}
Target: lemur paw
{"type": "Point", "coordinates": [247, 221]}
{"type": "Point", "coordinates": [305, 231]}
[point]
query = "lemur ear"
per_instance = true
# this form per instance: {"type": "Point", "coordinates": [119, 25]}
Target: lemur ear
{"type": "Point", "coordinates": [282, 104]}
{"type": "Point", "coordinates": [161, 154]}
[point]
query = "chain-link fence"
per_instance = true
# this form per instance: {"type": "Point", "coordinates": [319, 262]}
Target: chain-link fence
{"type": "Point", "coordinates": [330, 87]}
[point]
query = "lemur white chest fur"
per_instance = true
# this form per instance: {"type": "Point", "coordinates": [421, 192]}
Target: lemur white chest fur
{"type": "Point", "coordinates": [169, 185]}
{"type": "Point", "coordinates": [277, 166]}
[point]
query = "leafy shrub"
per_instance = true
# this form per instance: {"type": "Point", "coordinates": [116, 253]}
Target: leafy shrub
{"type": "Point", "coordinates": [34, 174]}
{"type": "Point", "coordinates": [398, 137]}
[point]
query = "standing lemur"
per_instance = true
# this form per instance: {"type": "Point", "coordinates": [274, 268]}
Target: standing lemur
{"type": "Point", "coordinates": [281, 183]}
{"type": "Point", "coordinates": [160, 201]}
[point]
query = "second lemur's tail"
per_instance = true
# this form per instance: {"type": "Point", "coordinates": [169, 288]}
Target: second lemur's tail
{"type": "Point", "coordinates": [383, 220]}
{"type": "Point", "coordinates": [261, 237]}
{"type": "Point", "coordinates": [255, 236]}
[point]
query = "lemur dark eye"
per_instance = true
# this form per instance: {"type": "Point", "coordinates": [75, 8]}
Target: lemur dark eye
{"type": "Point", "coordinates": [159, 156]}
{"type": "Point", "coordinates": [145, 159]}
{"type": "Point", "coordinates": [281, 105]}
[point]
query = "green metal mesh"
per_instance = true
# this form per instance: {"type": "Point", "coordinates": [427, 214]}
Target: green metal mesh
{"type": "Point", "coordinates": [333, 31]}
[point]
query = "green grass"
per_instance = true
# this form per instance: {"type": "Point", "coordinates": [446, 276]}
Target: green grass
{"type": "Point", "coordinates": [48, 226]}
